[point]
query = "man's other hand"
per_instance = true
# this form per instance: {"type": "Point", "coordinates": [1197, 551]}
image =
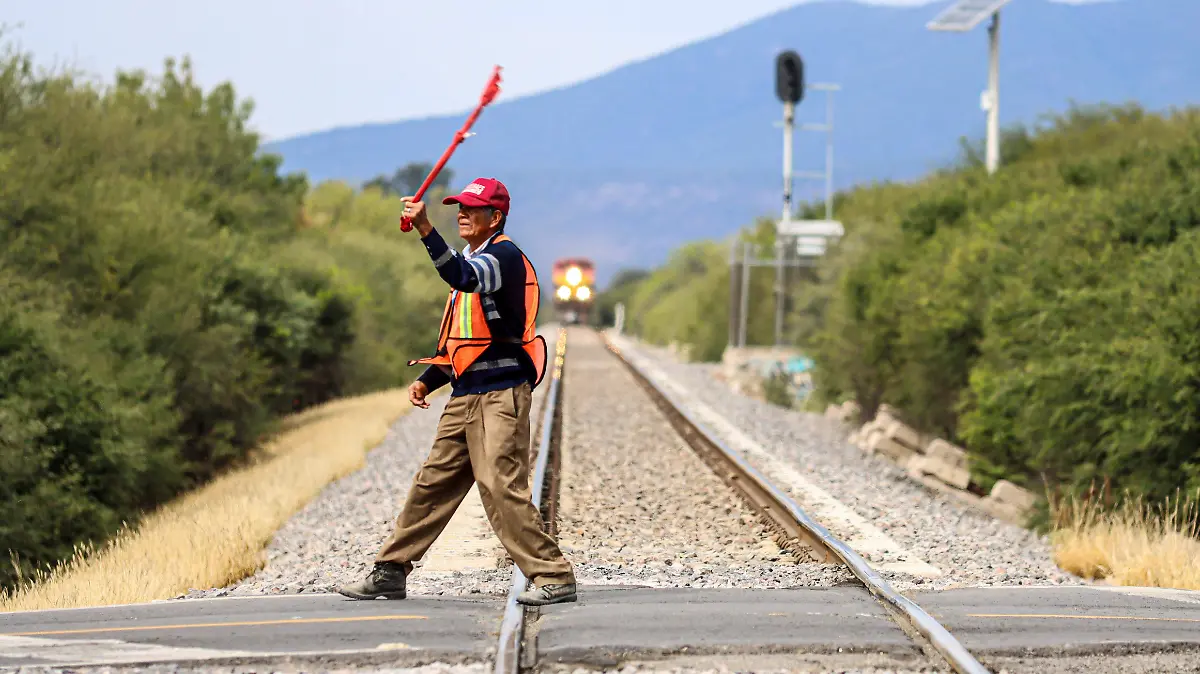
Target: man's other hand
{"type": "Point", "coordinates": [416, 394]}
{"type": "Point", "coordinates": [415, 211]}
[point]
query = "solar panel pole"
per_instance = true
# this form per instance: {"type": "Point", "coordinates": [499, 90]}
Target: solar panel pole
{"type": "Point", "coordinates": [963, 16]}
{"type": "Point", "coordinates": [993, 120]}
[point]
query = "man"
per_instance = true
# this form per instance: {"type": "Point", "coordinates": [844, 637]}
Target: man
{"type": "Point", "coordinates": [489, 352]}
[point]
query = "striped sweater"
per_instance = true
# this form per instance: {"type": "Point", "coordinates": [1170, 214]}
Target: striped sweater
{"type": "Point", "coordinates": [497, 272]}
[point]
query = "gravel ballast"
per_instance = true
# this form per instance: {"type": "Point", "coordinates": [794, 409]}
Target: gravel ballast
{"type": "Point", "coordinates": [638, 507]}
{"type": "Point", "coordinates": [971, 548]}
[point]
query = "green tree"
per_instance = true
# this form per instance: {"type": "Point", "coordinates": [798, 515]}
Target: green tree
{"type": "Point", "coordinates": [166, 295]}
{"type": "Point", "coordinates": [408, 179]}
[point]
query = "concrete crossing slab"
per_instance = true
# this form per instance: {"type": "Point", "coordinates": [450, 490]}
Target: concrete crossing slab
{"type": "Point", "coordinates": [1066, 619]}
{"type": "Point", "coordinates": [242, 627]}
{"type": "Point", "coordinates": [612, 623]}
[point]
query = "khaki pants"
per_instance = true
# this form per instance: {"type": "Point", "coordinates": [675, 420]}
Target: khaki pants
{"type": "Point", "coordinates": [481, 438]}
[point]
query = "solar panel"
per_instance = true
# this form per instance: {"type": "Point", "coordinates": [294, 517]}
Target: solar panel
{"type": "Point", "coordinates": [965, 14]}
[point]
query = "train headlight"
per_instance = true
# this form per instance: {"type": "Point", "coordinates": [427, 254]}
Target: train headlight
{"type": "Point", "coordinates": [583, 292]}
{"type": "Point", "coordinates": [564, 293]}
{"type": "Point", "coordinates": [574, 276]}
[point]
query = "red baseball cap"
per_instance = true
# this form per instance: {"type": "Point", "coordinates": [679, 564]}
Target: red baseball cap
{"type": "Point", "coordinates": [482, 192]}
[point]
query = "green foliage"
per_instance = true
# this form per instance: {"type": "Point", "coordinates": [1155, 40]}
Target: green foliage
{"type": "Point", "coordinates": [1014, 313]}
{"type": "Point", "coordinates": [166, 295]}
{"type": "Point", "coordinates": [85, 438]}
{"type": "Point", "coordinates": [687, 300]}
{"type": "Point", "coordinates": [1047, 317]}
{"type": "Point", "coordinates": [398, 298]}
{"type": "Point", "coordinates": [678, 302]}
{"type": "Point", "coordinates": [619, 291]}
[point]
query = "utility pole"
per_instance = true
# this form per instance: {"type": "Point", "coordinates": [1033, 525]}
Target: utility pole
{"type": "Point", "coordinates": [827, 129]}
{"type": "Point", "coordinates": [789, 88]}
{"type": "Point", "coordinates": [735, 294]}
{"type": "Point", "coordinates": [745, 302]}
{"type": "Point", "coordinates": [829, 150]}
{"type": "Point", "coordinates": [789, 119]}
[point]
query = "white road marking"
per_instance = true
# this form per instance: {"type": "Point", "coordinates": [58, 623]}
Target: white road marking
{"type": "Point", "coordinates": [1172, 594]}
{"type": "Point", "coordinates": [66, 652]}
{"type": "Point", "coordinates": [1185, 596]}
{"type": "Point", "coordinates": [174, 601]}
{"type": "Point", "coordinates": [867, 540]}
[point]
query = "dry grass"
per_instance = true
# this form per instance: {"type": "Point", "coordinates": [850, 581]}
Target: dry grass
{"type": "Point", "coordinates": [1133, 544]}
{"type": "Point", "coordinates": [217, 534]}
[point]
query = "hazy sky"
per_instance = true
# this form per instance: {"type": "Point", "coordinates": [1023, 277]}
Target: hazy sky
{"type": "Point", "coordinates": [310, 64]}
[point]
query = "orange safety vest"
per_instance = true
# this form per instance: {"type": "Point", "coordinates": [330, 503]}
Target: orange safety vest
{"type": "Point", "coordinates": [465, 334]}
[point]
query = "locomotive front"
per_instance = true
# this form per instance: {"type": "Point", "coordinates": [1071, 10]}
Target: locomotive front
{"type": "Point", "coordinates": [574, 279]}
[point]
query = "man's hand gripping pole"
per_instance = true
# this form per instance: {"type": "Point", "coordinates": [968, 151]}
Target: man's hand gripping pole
{"type": "Point", "coordinates": [489, 93]}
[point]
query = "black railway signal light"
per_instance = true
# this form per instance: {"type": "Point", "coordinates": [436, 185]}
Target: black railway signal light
{"type": "Point", "coordinates": [789, 77]}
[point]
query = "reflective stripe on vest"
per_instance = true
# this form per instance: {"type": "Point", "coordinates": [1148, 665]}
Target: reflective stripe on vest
{"type": "Point", "coordinates": [465, 334]}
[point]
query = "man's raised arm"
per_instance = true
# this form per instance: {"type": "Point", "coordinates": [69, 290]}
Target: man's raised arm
{"type": "Point", "coordinates": [480, 274]}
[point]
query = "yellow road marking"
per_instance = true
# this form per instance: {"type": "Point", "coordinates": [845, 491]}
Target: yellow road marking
{"type": "Point", "coordinates": [1080, 617]}
{"type": "Point", "coordinates": [291, 621]}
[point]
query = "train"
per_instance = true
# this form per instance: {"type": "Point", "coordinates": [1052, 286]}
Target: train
{"type": "Point", "coordinates": [574, 290]}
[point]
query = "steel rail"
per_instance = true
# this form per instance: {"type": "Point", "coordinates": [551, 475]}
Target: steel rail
{"type": "Point", "coordinates": [742, 474]}
{"type": "Point", "coordinates": [512, 625]}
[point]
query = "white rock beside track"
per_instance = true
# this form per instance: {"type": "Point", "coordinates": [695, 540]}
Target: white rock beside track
{"type": "Point", "coordinates": [638, 507]}
{"type": "Point", "coordinates": [970, 548]}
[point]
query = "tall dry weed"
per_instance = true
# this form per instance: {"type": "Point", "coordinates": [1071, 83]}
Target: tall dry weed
{"type": "Point", "coordinates": [217, 534]}
{"type": "Point", "coordinates": [1133, 543]}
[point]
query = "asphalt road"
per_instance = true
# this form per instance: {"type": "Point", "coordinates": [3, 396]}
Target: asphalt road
{"type": "Point", "coordinates": [610, 625]}
{"type": "Point", "coordinates": [254, 629]}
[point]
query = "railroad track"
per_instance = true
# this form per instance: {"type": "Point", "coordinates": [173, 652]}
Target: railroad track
{"type": "Point", "coordinates": [676, 570]}
{"type": "Point", "coordinates": [793, 527]}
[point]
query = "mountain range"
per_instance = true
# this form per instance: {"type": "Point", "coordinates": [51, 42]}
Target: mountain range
{"type": "Point", "coordinates": [626, 166]}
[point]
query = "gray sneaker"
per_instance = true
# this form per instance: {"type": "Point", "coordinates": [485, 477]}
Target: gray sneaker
{"type": "Point", "coordinates": [385, 580]}
{"type": "Point", "coordinates": [548, 594]}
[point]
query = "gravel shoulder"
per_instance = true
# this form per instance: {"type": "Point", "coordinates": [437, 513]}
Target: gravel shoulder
{"type": "Point", "coordinates": [638, 507]}
{"type": "Point", "coordinates": [971, 548]}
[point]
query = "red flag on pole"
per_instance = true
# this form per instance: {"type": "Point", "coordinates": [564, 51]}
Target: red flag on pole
{"type": "Point", "coordinates": [489, 93]}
